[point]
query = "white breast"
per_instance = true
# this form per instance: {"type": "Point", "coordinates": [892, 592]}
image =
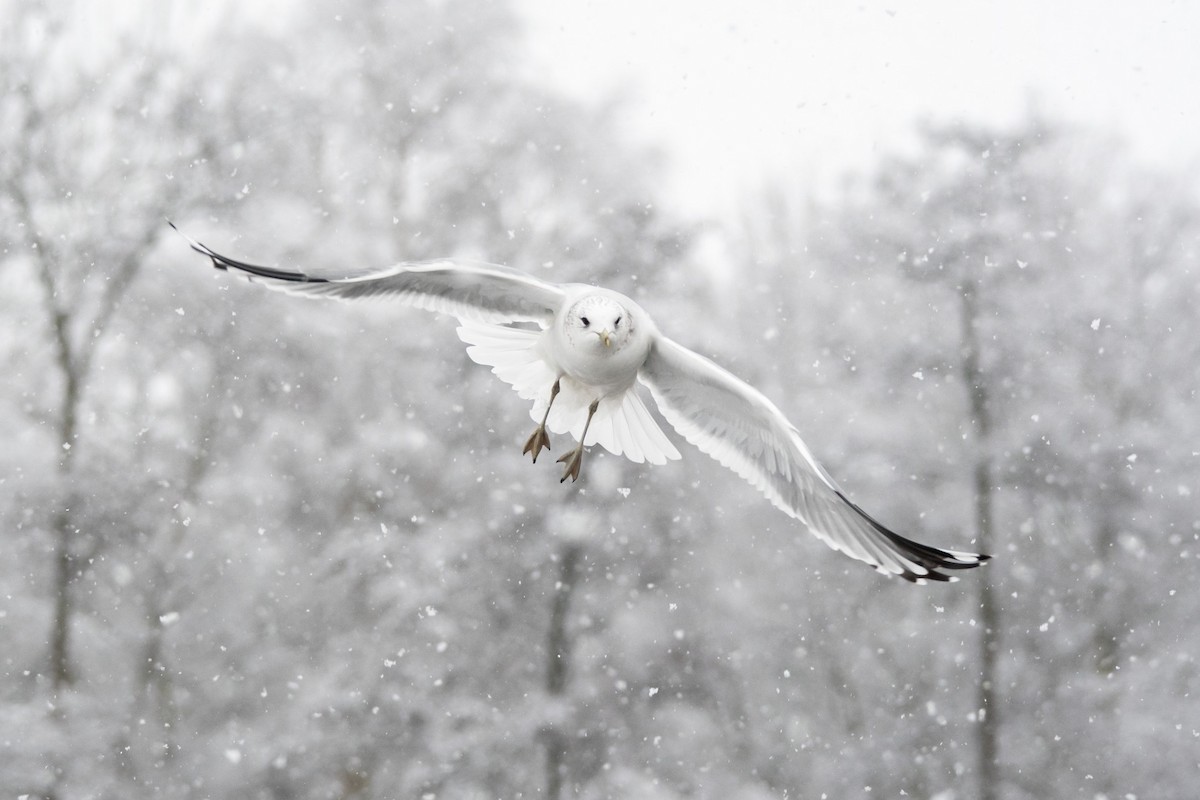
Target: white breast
{"type": "Point", "coordinates": [581, 355]}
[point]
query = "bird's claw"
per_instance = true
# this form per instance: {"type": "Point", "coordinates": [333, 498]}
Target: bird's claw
{"type": "Point", "coordinates": [573, 460]}
{"type": "Point", "coordinates": [537, 440]}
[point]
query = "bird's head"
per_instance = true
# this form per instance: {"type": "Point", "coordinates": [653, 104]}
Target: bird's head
{"type": "Point", "coordinates": [599, 319]}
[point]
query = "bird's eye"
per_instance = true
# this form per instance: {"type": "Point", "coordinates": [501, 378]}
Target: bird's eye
{"type": "Point", "coordinates": [585, 322]}
{"type": "Point", "coordinates": [617, 324]}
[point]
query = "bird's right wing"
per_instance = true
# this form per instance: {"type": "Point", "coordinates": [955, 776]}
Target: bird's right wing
{"type": "Point", "coordinates": [739, 427]}
{"type": "Point", "coordinates": [464, 289]}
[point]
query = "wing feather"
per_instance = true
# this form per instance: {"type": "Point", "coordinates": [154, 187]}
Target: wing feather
{"type": "Point", "coordinates": [718, 413]}
{"type": "Point", "coordinates": [460, 288]}
{"type": "Point", "coordinates": [735, 424]}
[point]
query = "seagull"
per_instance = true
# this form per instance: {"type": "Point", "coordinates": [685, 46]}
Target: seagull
{"type": "Point", "coordinates": [577, 352]}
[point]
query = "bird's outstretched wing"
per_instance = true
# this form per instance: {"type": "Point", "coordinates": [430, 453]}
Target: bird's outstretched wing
{"type": "Point", "coordinates": [464, 289]}
{"type": "Point", "coordinates": [739, 427]}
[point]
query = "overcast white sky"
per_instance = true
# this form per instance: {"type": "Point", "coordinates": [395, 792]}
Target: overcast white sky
{"type": "Point", "coordinates": [737, 90]}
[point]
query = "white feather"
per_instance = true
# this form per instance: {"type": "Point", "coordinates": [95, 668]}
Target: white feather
{"type": "Point", "coordinates": [622, 423]}
{"type": "Point", "coordinates": [708, 406]}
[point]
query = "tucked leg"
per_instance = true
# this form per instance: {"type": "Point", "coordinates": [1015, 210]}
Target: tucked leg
{"type": "Point", "coordinates": [574, 459]}
{"type": "Point", "coordinates": [539, 438]}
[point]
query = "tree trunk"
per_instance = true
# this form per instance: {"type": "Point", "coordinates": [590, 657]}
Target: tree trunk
{"type": "Point", "coordinates": [989, 644]}
{"type": "Point", "coordinates": [63, 521]}
{"type": "Point", "coordinates": [558, 661]}
{"type": "Point", "coordinates": [61, 674]}
{"type": "Point", "coordinates": [986, 706]}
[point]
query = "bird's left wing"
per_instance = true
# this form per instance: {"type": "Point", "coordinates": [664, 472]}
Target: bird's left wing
{"type": "Point", "coordinates": [739, 427]}
{"type": "Point", "coordinates": [464, 289]}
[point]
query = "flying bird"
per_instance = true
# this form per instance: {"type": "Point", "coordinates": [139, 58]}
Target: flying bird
{"type": "Point", "coordinates": [579, 363]}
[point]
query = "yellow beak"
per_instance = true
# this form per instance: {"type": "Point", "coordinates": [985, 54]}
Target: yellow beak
{"type": "Point", "coordinates": [605, 337]}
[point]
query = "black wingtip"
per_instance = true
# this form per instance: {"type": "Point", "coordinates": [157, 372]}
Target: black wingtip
{"type": "Point", "coordinates": [199, 248]}
{"type": "Point", "coordinates": [930, 558]}
{"type": "Point", "coordinates": [225, 263]}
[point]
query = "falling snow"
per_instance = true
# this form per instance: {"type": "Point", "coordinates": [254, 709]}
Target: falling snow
{"type": "Point", "coordinates": [261, 547]}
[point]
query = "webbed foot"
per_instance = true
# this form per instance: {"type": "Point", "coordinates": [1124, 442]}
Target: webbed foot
{"type": "Point", "coordinates": [538, 440]}
{"type": "Point", "coordinates": [573, 460]}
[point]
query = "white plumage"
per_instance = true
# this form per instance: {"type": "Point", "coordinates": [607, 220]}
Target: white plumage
{"type": "Point", "coordinates": [580, 367]}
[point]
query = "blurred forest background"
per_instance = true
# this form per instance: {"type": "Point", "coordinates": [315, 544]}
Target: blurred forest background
{"type": "Point", "coordinates": [258, 547]}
